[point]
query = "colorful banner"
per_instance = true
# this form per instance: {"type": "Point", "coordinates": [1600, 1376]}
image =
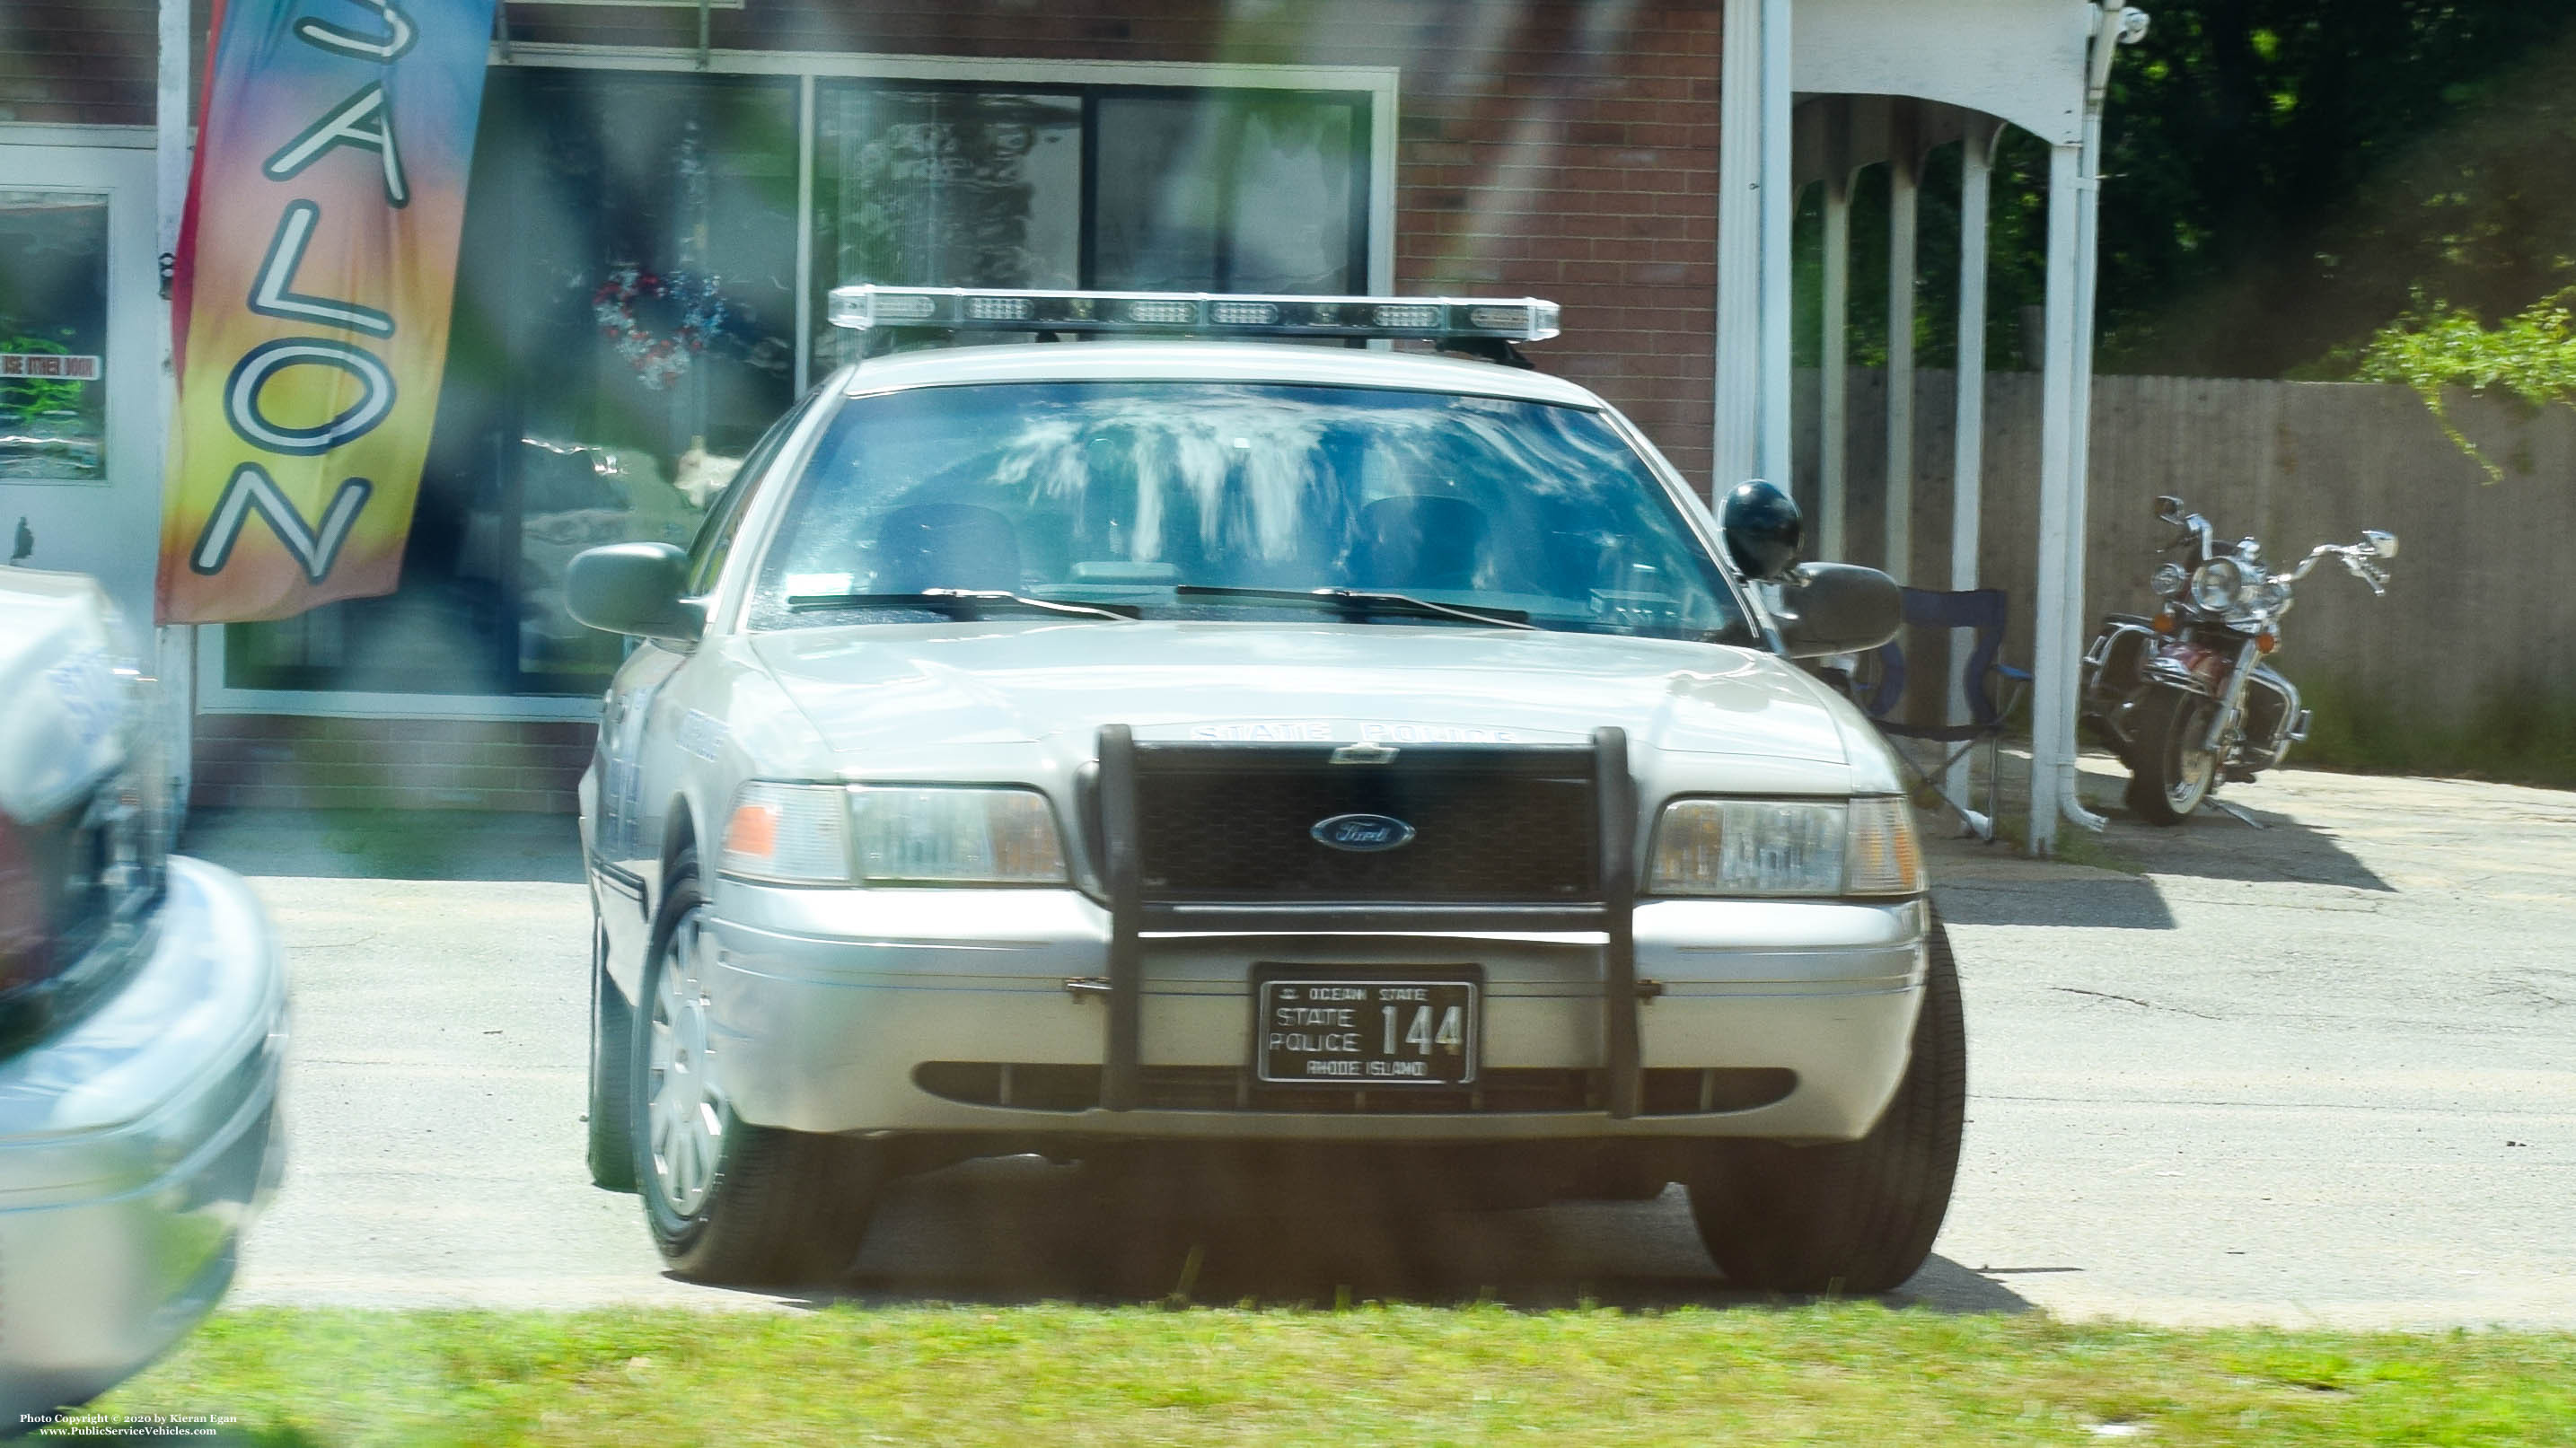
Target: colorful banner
{"type": "Point", "coordinates": [316, 265]}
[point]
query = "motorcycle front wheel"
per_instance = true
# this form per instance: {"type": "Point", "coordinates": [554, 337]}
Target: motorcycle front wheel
{"type": "Point", "coordinates": [2173, 766]}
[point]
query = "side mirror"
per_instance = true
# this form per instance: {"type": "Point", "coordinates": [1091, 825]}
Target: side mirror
{"type": "Point", "coordinates": [2169, 509]}
{"type": "Point", "coordinates": [633, 588]}
{"type": "Point", "coordinates": [1761, 529]}
{"type": "Point", "coordinates": [2383, 544]}
{"type": "Point", "coordinates": [1838, 608]}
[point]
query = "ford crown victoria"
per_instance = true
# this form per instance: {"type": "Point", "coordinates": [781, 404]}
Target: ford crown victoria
{"type": "Point", "coordinates": [1201, 740]}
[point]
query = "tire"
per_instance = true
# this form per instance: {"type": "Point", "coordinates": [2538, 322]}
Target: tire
{"type": "Point", "coordinates": [726, 1201]}
{"type": "Point", "coordinates": [612, 1084]}
{"type": "Point", "coordinates": [2173, 774]}
{"type": "Point", "coordinates": [1854, 1216]}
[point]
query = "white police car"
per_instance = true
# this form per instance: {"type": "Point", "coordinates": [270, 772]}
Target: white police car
{"type": "Point", "coordinates": [1168, 740]}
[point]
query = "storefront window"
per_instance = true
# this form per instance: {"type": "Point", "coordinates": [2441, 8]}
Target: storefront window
{"type": "Point", "coordinates": [1255, 193]}
{"type": "Point", "coordinates": [1122, 187]}
{"type": "Point", "coordinates": [53, 336]}
{"type": "Point", "coordinates": [624, 330]}
{"type": "Point", "coordinates": [626, 307]}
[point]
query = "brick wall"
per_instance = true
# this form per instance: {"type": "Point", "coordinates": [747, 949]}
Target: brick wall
{"type": "Point", "coordinates": [259, 761]}
{"type": "Point", "coordinates": [82, 62]}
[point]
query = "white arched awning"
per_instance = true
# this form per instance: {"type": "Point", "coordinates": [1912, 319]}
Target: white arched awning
{"type": "Point", "coordinates": [2020, 61]}
{"type": "Point", "coordinates": [1876, 80]}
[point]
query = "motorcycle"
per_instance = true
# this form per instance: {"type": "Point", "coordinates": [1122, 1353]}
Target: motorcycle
{"type": "Point", "coordinates": [2183, 697]}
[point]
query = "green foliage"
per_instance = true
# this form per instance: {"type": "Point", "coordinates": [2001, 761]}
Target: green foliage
{"type": "Point", "coordinates": [2282, 175]}
{"type": "Point", "coordinates": [2436, 345]}
{"type": "Point", "coordinates": [2280, 178]}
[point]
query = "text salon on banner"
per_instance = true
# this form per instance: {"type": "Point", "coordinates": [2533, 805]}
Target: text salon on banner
{"type": "Point", "coordinates": [315, 270]}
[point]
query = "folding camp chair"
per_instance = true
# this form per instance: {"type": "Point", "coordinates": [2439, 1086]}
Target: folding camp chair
{"type": "Point", "coordinates": [1991, 687]}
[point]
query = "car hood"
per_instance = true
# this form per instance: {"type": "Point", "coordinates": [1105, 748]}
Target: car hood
{"type": "Point", "coordinates": [890, 691]}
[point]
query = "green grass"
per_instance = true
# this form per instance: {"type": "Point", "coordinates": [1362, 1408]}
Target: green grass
{"type": "Point", "coordinates": [1829, 1373]}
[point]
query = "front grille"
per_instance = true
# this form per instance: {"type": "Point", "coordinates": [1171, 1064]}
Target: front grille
{"type": "Point", "coordinates": [1669, 1091]}
{"type": "Point", "coordinates": [1498, 824]}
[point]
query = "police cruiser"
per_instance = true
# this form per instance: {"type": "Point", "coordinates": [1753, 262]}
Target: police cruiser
{"type": "Point", "coordinates": [1172, 736]}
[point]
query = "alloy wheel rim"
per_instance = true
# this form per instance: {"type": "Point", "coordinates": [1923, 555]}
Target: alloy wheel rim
{"type": "Point", "coordinates": [684, 1112]}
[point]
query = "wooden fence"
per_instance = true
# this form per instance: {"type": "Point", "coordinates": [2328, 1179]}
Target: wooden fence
{"type": "Point", "coordinates": [2484, 602]}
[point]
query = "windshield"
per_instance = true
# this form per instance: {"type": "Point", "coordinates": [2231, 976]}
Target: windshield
{"type": "Point", "coordinates": [1163, 497]}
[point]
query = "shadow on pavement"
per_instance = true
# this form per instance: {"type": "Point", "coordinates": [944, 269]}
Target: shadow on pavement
{"type": "Point", "coordinates": [388, 844]}
{"type": "Point", "coordinates": [1018, 1229]}
{"type": "Point", "coordinates": [2215, 845]}
{"type": "Point", "coordinates": [2105, 881]}
{"type": "Point", "coordinates": [2032, 892]}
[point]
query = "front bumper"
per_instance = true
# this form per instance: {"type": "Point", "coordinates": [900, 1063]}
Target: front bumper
{"type": "Point", "coordinates": [136, 1147]}
{"type": "Point", "coordinates": [826, 1002]}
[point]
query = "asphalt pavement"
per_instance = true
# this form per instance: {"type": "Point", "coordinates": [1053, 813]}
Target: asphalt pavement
{"type": "Point", "coordinates": [2318, 1069]}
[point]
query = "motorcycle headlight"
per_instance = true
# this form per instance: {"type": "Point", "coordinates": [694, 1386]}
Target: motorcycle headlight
{"type": "Point", "coordinates": [2217, 585]}
{"type": "Point", "coordinates": [2170, 580]}
{"type": "Point", "coordinates": [1786, 848]}
{"type": "Point", "coordinates": [955, 836]}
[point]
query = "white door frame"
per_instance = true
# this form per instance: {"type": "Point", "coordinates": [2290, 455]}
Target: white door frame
{"type": "Point", "coordinates": [109, 529]}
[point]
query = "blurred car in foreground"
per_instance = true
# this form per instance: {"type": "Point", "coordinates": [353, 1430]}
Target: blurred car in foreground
{"type": "Point", "coordinates": [142, 1021]}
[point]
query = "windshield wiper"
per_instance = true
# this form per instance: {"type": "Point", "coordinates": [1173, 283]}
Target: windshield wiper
{"type": "Point", "coordinates": [1362, 601]}
{"type": "Point", "coordinates": [964, 603]}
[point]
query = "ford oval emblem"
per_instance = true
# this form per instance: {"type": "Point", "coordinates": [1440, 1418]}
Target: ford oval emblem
{"type": "Point", "coordinates": [1363, 833]}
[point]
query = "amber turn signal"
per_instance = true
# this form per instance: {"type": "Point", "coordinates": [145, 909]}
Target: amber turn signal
{"type": "Point", "coordinates": [2162, 623]}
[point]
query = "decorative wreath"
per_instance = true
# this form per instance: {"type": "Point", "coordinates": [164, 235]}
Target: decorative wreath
{"type": "Point", "coordinates": [658, 358]}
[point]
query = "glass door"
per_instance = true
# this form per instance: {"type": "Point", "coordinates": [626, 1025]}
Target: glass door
{"type": "Point", "coordinates": [80, 354]}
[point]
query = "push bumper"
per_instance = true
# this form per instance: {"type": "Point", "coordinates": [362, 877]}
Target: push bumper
{"type": "Point", "coordinates": [135, 1149]}
{"type": "Point", "coordinates": [826, 1004]}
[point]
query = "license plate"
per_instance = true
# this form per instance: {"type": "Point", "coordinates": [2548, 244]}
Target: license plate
{"type": "Point", "coordinates": [1364, 1031]}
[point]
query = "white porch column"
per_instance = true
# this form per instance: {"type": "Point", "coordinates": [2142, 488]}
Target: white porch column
{"type": "Point", "coordinates": [1833, 378]}
{"type": "Point", "coordinates": [1736, 443]}
{"type": "Point", "coordinates": [1777, 204]}
{"type": "Point", "coordinates": [1903, 167]}
{"type": "Point", "coordinates": [1968, 447]}
{"type": "Point", "coordinates": [2053, 658]}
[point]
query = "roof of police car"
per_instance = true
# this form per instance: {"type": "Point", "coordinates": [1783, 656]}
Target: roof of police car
{"type": "Point", "coordinates": [1222, 362]}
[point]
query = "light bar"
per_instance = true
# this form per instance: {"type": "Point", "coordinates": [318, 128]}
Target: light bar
{"type": "Point", "coordinates": [1002, 309]}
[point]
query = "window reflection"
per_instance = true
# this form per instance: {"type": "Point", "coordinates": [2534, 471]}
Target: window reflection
{"type": "Point", "coordinates": [1121, 492]}
{"type": "Point", "coordinates": [624, 329]}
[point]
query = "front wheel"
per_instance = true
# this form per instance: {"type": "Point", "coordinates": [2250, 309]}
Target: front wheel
{"type": "Point", "coordinates": [2175, 767]}
{"type": "Point", "coordinates": [727, 1201]}
{"type": "Point", "coordinates": [1854, 1216]}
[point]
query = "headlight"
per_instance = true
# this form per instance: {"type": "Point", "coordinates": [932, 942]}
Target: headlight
{"type": "Point", "coordinates": [833, 834]}
{"type": "Point", "coordinates": [2217, 585]}
{"type": "Point", "coordinates": [796, 834]}
{"type": "Point", "coordinates": [2170, 580]}
{"type": "Point", "coordinates": [955, 837]}
{"type": "Point", "coordinates": [1786, 847]}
